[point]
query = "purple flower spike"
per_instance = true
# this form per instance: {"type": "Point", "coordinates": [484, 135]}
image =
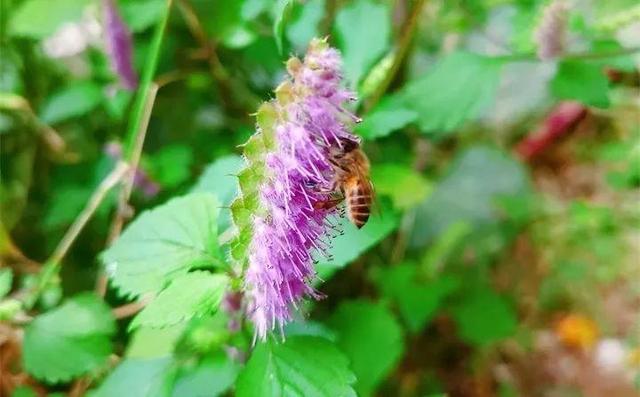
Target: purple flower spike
{"type": "Point", "coordinates": [119, 45]}
{"type": "Point", "coordinates": [291, 227]}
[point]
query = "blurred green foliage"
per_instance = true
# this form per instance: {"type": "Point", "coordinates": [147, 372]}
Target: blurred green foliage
{"type": "Point", "coordinates": [473, 252]}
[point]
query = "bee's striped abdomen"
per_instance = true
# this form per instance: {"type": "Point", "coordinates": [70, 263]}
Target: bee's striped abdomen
{"type": "Point", "coordinates": [358, 201]}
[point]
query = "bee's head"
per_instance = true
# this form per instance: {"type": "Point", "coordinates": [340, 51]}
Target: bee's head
{"type": "Point", "coordinates": [349, 145]}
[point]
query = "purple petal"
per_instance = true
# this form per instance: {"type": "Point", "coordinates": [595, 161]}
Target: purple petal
{"type": "Point", "coordinates": [119, 45]}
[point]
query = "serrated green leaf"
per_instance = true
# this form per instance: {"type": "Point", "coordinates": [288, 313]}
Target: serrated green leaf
{"type": "Point", "coordinates": [405, 186]}
{"type": "Point", "coordinates": [38, 19]}
{"type": "Point", "coordinates": [70, 340]}
{"type": "Point", "coordinates": [417, 299]}
{"type": "Point", "coordinates": [164, 243]}
{"type": "Point", "coordinates": [372, 340]}
{"type": "Point", "coordinates": [140, 378]}
{"type": "Point", "coordinates": [390, 115]}
{"type": "Point", "coordinates": [6, 279]}
{"type": "Point", "coordinates": [361, 45]}
{"type": "Point", "coordinates": [484, 317]}
{"type": "Point", "coordinates": [303, 366]}
{"type": "Point", "coordinates": [72, 101]}
{"type": "Point", "coordinates": [455, 90]}
{"type": "Point", "coordinates": [189, 295]}
{"type": "Point", "coordinates": [582, 81]}
{"type": "Point", "coordinates": [347, 247]}
{"type": "Point", "coordinates": [209, 378]}
{"type": "Point", "coordinates": [476, 179]}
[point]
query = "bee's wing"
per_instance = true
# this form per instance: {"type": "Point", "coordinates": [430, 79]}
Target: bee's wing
{"type": "Point", "coordinates": [375, 203]}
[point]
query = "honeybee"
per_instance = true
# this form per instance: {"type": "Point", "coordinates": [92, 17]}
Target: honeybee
{"type": "Point", "coordinates": [351, 182]}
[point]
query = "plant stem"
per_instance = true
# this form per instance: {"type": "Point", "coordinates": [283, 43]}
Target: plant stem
{"type": "Point", "coordinates": [575, 56]}
{"type": "Point", "coordinates": [136, 133]}
{"type": "Point", "coordinates": [400, 54]}
{"type": "Point", "coordinates": [242, 97]}
{"type": "Point", "coordinates": [94, 202]}
{"type": "Point", "coordinates": [129, 309]}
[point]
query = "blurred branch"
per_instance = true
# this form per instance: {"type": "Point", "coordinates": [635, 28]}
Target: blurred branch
{"type": "Point", "coordinates": [50, 136]}
{"type": "Point", "coordinates": [134, 160]}
{"type": "Point", "coordinates": [130, 309]}
{"type": "Point", "coordinates": [575, 56]}
{"type": "Point", "coordinates": [94, 202]}
{"type": "Point", "coordinates": [400, 54]}
{"type": "Point", "coordinates": [242, 97]}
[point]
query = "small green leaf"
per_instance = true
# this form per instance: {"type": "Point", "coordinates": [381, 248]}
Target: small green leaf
{"type": "Point", "coordinates": [582, 81]}
{"type": "Point", "coordinates": [189, 295]}
{"type": "Point", "coordinates": [372, 340]}
{"type": "Point", "coordinates": [140, 378]}
{"type": "Point", "coordinates": [417, 299]}
{"type": "Point", "coordinates": [484, 317]}
{"type": "Point", "coordinates": [304, 24]}
{"type": "Point", "coordinates": [405, 186]}
{"type": "Point", "coordinates": [6, 279]}
{"type": "Point", "coordinates": [282, 13]}
{"type": "Point", "coordinates": [363, 32]}
{"type": "Point", "coordinates": [354, 241]}
{"type": "Point", "coordinates": [388, 116]}
{"type": "Point", "coordinates": [210, 378]}
{"type": "Point", "coordinates": [303, 366]}
{"type": "Point", "coordinates": [455, 90]}
{"type": "Point", "coordinates": [171, 165]}
{"type": "Point", "coordinates": [38, 19]}
{"type": "Point", "coordinates": [164, 243]}
{"type": "Point", "coordinates": [72, 101]}
{"type": "Point", "coordinates": [70, 340]}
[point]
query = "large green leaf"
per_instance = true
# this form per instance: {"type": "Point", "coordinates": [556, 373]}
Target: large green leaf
{"type": "Point", "coordinates": [484, 317]}
{"type": "Point", "coordinates": [455, 90]}
{"type": "Point", "coordinates": [189, 295]}
{"type": "Point", "coordinates": [363, 31]}
{"type": "Point", "coordinates": [348, 246]}
{"type": "Point", "coordinates": [70, 340]}
{"type": "Point", "coordinates": [72, 101]}
{"type": "Point", "coordinates": [140, 378]}
{"type": "Point", "coordinates": [303, 366]}
{"type": "Point", "coordinates": [582, 81]}
{"type": "Point", "coordinates": [468, 193]}
{"type": "Point", "coordinates": [41, 18]}
{"type": "Point", "coordinates": [164, 243]}
{"type": "Point", "coordinates": [372, 340]}
{"type": "Point", "coordinates": [418, 300]}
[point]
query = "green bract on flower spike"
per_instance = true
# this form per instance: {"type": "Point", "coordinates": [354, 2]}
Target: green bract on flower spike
{"type": "Point", "coordinates": [280, 220]}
